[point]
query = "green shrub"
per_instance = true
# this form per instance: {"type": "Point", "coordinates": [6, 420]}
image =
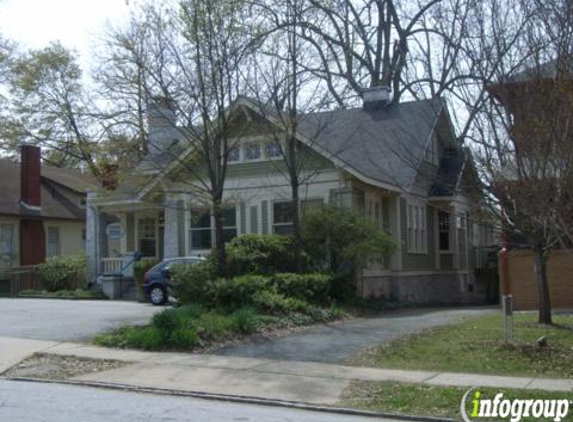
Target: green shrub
{"type": "Point", "coordinates": [191, 311]}
{"type": "Point", "coordinates": [141, 267]}
{"type": "Point", "coordinates": [191, 282]}
{"type": "Point", "coordinates": [343, 287]}
{"type": "Point", "coordinates": [147, 338]}
{"type": "Point", "coordinates": [236, 292]}
{"type": "Point", "coordinates": [312, 288]}
{"type": "Point", "coordinates": [213, 326]}
{"type": "Point", "coordinates": [277, 304]}
{"type": "Point", "coordinates": [246, 320]}
{"type": "Point", "coordinates": [184, 339]}
{"type": "Point", "coordinates": [63, 272]}
{"type": "Point", "coordinates": [168, 321]}
{"type": "Point", "coordinates": [260, 254]}
{"type": "Point", "coordinates": [336, 237]}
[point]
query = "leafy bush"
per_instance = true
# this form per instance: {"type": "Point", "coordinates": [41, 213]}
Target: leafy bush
{"type": "Point", "coordinates": [213, 326]}
{"type": "Point", "coordinates": [190, 282]}
{"type": "Point", "coordinates": [146, 338]}
{"type": "Point", "coordinates": [63, 272]}
{"type": "Point", "coordinates": [260, 254]}
{"type": "Point", "coordinates": [246, 320]}
{"type": "Point", "coordinates": [342, 287]}
{"type": "Point", "coordinates": [337, 236]}
{"type": "Point", "coordinates": [184, 338]}
{"type": "Point", "coordinates": [236, 292]}
{"type": "Point", "coordinates": [278, 304]}
{"type": "Point", "coordinates": [312, 288]}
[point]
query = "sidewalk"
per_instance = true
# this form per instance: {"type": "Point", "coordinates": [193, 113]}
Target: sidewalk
{"type": "Point", "coordinates": [307, 382]}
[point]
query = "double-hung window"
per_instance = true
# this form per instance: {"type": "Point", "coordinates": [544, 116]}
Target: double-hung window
{"type": "Point", "coordinates": [273, 150]}
{"type": "Point", "coordinates": [444, 230]}
{"type": "Point", "coordinates": [283, 216]}
{"type": "Point", "coordinates": [6, 241]}
{"type": "Point", "coordinates": [417, 228]}
{"type": "Point", "coordinates": [53, 243]}
{"type": "Point", "coordinates": [203, 227]}
{"type": "Point", "coordinates": [252, 151]}
{"type": "Point", "coordinates": [147, 239]}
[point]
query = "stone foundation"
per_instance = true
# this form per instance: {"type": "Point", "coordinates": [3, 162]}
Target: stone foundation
{"type": "Point", "coordinates": [443, 288]}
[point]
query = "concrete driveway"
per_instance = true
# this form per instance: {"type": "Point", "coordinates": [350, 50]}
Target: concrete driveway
{"type": "Point", "coordinates": [336, 342]}
{"type": "Point", "coordinates": [68, 320]}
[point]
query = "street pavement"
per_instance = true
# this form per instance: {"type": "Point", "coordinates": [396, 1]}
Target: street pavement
{"type": "Point", "coordinates": [39, 402]}
{"type": "Point", "coordinates": [68, 320]}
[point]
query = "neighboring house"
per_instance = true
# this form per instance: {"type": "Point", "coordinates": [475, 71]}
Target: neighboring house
{"type": "Point", "coordinates": [42, 211]}
{"type": "Point", "coordinates": [528, 95]}
{"type": "Point", "coordinates": [398, 164]}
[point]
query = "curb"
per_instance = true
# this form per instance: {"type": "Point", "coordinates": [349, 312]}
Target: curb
{"type": "Point", "coordinates": [236, 399]}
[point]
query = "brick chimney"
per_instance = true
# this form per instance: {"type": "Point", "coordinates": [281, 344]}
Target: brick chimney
{"type": "Point", "coordinates": [161, 121]}
{"type": "Point", "coordinates": [30, 172]}
{"type": "Point", "coordinates": [32, 234]}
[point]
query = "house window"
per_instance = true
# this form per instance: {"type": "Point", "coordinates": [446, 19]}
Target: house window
{"type": "Point", "coordinates": [417, 229]}
{"type": "Point", "coordinates": [311, 204]}
{"type": "Point", "coordinates": [53, 243]}
{"type": "Point", "coordinates": [234, 155]}
{"type": "Point", "coordinates": [6, 241]}
{"type": "Point", "coordinates": [252, 151]}
{"type": "Point", "coordinates": [444, 230]}
{"type": "Point", "coordinates": [373, 209]}
{"type": "Point", "coordinates": [147, 236]}
{"type": "Point", "coordinates": [203, 232]}
{"type": "Point", "coordinates": [229, 223]}
{"type": "Point", "coordinates": [273, 150]}
{"type": "Point", "coordinates": [283, 217]}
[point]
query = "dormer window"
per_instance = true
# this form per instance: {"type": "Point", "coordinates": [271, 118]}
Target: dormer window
{"type": "Point", "coordinates": [252, 151]}
{"type": "Point", "coordinates": [273, 150]}
{"type": "Point", "coordinates": [234, 155]}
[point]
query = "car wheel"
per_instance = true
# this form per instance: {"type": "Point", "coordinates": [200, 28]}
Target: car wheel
{"type": "Point", "coordinates": [157, 295]}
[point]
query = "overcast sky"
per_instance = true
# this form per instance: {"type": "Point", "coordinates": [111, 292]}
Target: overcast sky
{"type": "Point", "coordinates": [75, 23]}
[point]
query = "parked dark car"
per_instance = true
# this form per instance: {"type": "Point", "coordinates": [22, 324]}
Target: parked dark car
{"type": "Point", "coordinates": [156, 283]}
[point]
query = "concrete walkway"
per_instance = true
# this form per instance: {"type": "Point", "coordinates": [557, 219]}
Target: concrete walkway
{"type": "Point", "coordinates": [307, 382]}
{"type": "Point", "coordinates": [338, 341]}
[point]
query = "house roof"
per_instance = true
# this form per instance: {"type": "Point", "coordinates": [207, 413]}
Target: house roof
{"type": "Point", "coordinates": [385, 145]}
{"type": "Point", "coordinates": [449, 171]}
{"type": "Point", "coordinates": [60, 187]}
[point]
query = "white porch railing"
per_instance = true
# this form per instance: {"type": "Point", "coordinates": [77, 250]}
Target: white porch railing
{"type": "Point", "coordinates": [112, 265]}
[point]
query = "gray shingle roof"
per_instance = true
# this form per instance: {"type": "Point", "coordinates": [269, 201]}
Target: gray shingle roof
{"type": "Point", "coordinates": [385, 145]}
{"type": "Point", "coordinates": [55, 202]}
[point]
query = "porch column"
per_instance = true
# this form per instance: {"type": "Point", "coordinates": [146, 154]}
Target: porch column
{"type": "Point", "coordinates": [171, 230]}
{"type": "Point", "coordinates": [92, 238]}
{"type": "Point", "coordinates": [454, 241]}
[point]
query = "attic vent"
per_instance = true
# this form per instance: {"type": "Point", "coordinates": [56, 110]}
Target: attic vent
{"type": "Point", "coordinates": [376, 97]}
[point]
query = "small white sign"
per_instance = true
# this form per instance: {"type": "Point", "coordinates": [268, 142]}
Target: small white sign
{"type": "Point", "coordinates": [114, 231]}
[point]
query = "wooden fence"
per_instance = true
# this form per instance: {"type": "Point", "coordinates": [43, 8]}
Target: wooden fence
{"type": "Point", "coordinates": [23, 278]}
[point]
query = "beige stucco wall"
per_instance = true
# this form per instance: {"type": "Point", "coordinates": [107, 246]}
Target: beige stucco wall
{"type": "Point", "coordinates": [7, 263]}
{"type": "Point", "coordinates": [71, 241]}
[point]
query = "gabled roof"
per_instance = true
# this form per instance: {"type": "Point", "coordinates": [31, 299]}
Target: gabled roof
{"type": "Point", "coordinates": [59, 189]}
{"type": "Point", "coordinates": [382, 147]}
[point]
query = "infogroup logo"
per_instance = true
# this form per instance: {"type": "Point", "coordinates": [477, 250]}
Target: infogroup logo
{"type": "Point", "coordinates": [513, 410]}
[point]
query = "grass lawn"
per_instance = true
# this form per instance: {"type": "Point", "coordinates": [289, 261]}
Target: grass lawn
{"type": "Point", "coordinates": [475, 346]}
{"type": "Point", "coordinates": [424, 400]}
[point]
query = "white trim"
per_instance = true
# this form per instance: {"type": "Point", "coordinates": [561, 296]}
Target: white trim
{"type": "Point", "coordinates": [30, 207]}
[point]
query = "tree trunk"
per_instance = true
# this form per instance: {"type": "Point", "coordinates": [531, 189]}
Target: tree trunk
{"type": "Point", "coordinates": [297, 244]}
{"type": "Point", "coordinates": [219, 237]}
{"type": "Point", "coordinates": [542, 285]}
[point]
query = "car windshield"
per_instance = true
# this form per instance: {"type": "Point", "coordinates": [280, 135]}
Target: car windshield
{"type": "Point", "coordinates": [170, 264]}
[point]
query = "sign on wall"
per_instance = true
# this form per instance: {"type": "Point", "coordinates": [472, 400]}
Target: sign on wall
{"type": "Point", "coordinates": [114, 231]}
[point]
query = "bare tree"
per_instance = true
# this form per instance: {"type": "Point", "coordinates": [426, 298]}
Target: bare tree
{"type": "Point", "coordinates": [523, 141]}
{"type": "Point", "coordinates": [191, 56]}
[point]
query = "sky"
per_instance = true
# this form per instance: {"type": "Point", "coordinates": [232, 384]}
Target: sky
{"type": "Point", "coordinates": [75, 23]}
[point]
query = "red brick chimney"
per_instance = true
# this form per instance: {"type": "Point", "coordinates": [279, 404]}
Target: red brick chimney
{"type": "Point", "coordinates": [30, 168]}
{"type": "Point", "coordinates": [32, 235]}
